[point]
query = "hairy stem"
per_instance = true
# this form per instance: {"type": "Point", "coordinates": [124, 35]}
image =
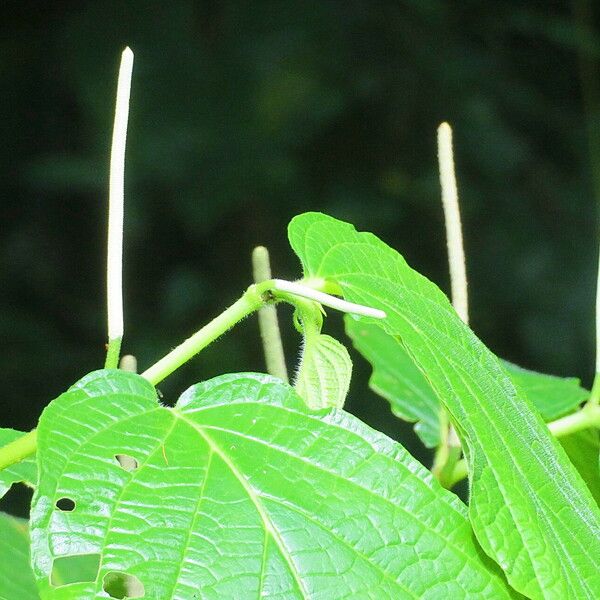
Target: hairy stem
{"type": "Point", "coordinates": [267, 319]}
{"type": "Point", "coordinates": [250, 301]}
{"type": "Point", "coordinates": [253, 299]}
{"type": "Point", "coordinates": [18, 449]}
{"type": "Point", "coordinates": [448, 452]}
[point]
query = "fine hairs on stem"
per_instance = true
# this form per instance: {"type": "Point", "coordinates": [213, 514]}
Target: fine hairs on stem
{"type": "Point", "coordinates": [454, 237]}
{"type": "Point", "coordinates": [449, 450]}
{"type": "Point", "coordinates": [114, 262]}
{"type": "Point", "coordinates": [267, 319]}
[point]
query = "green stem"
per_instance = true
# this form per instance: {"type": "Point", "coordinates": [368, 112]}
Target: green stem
{"type": "Point", "coordinates": [250, 301]}
{"type": "Point", "coordinates": [18, 449]}
{"type": "Point", "coordinates": [595, 393]}
{"type": "Point", "coordinates": [254, 298]}
{"type": "Point", "coordinates": [267, 319]}
{"type": "Point", "coordinates": [112, 353]}
{"type": "Point", "coordinates": [586, 418]}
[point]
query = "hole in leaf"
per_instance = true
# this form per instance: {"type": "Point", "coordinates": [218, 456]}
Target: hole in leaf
{"type": "Point", "coordinates": [65, 504]}
{"type": "Point", "coordinates": [74, 569]}
{"type": "Point", "coordinates": [122, 585]}
{"type": "Point", "coordinates": [127, 462]}
{"type": "Point", "coordinates": [17, 500]}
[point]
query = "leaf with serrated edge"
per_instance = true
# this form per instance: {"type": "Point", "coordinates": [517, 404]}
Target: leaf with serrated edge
{"type": "Point", "coordinates": [553, 396]}
{"type": "Point", "coordinates": [529, 508]}
{"type": "Point", "coordinates": [324, 375]}
{"type": "Point", "coordinates": [397, 379]}
{"type": "Point", "coordinates": [16, 577]}
{"type": "Point", "coordinates": [24, 471]}
{"type": "Point", "coordinates": [241, 491]}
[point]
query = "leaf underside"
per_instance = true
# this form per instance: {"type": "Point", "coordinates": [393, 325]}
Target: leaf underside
{"type": "Point", "coordinates": [529, 508]}
{"type": "Point", "coordinates": [241, 491]}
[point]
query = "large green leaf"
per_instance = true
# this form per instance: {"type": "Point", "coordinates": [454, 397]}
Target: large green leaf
{"type": "Point", "coordinates": [16, 577]}
{"type": "Point", "coordinates": [529, 508]}
{"type": "Point", "coordinates": [241, 491]}
{"type": "Point", "coordinates": [21, 472]}
{"type": "Point", "coordinates": [398, 379]}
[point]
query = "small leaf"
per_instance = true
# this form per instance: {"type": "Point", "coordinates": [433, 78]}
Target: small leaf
{"type": "Point", "coordinates": [529, 508]}
{"type": "Point", "coordinates": [16, 576]}
{"type": "Point", "coordinates": [24, 471]}
{"type": "Point", "coordinates": [324, 375]}
{"type": "Point", "coordinates": [241, 491]}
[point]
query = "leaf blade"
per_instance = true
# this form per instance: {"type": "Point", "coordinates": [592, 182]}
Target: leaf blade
{"type": "Point", "coordinates": [526, 533]}
{"type": "Point", "coordinates": [285, 494]}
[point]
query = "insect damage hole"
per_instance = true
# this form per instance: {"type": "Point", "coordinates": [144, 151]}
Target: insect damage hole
{"type": "Point", "coordinates": [127, 462]}
{"type": "Point", "coordinates": [77, 568]}
{"type": "Point", "coordinates": [122, 585]}
{"type": "Point", "coordinates": [65, 504]}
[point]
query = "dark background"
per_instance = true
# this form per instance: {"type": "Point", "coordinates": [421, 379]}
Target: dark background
{"type": "Point", "coordinates": [244, 114]}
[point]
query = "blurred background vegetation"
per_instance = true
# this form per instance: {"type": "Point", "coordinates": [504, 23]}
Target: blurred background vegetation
{"type": "Point", "coordinates": [244, 114]}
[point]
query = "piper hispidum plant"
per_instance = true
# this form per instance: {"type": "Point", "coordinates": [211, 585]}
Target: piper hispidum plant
{"type": "Point", "coordinates": [250, 487]}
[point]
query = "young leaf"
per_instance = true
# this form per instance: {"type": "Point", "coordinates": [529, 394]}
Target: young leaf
{"type": "Point", "coordinates": [324, 376]}
{"type": "Point", "coordinates": [16, 577]}
{"type": "Point", "coordinates": [529, 508]}
{"type": "Point", "coordinates": [24, 471]}
{"type": "Point", "coordinates": [240, 492]}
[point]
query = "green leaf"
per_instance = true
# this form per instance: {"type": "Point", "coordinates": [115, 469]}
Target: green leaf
{"type": "Point", "coordinates": [583, 448]}
{"type": "Point", "coordinates": [16, 577]}
{"type": "Point", "coordinates": [397, 379]}
{"type": "Point", "coordinates": [529, 508]}
{"type": "Point", "coordinates": [24, 471]}
{"type": "Point", "coordinates": [324, 376]}
{"type": "Point", "coordinates": [553, 396]}
{"type": "Point", "coordinates": [241, 491]}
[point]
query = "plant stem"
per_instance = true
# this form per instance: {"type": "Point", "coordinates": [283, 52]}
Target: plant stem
{"type": "Point", "coordinates": [300, 289]}
{"type": "Point", "coordinates": [112, 353]}
{"type": "Point", "coordinates": [250, 301]}
{"type": "Point", "coordinates": [114, 257]}
{"type": "Point", "coordinates": [448, 452]}
{"type": "Point", "coordinates": [586, 418]}
{"type": "Point", "coordinates": [18, 449]}
{"type": "Point", "coordinates": [595, 394]}
{"type": "Point", "coordinates": [454, 237]}
{"type": "Point", "coordinates": [267, 319]}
